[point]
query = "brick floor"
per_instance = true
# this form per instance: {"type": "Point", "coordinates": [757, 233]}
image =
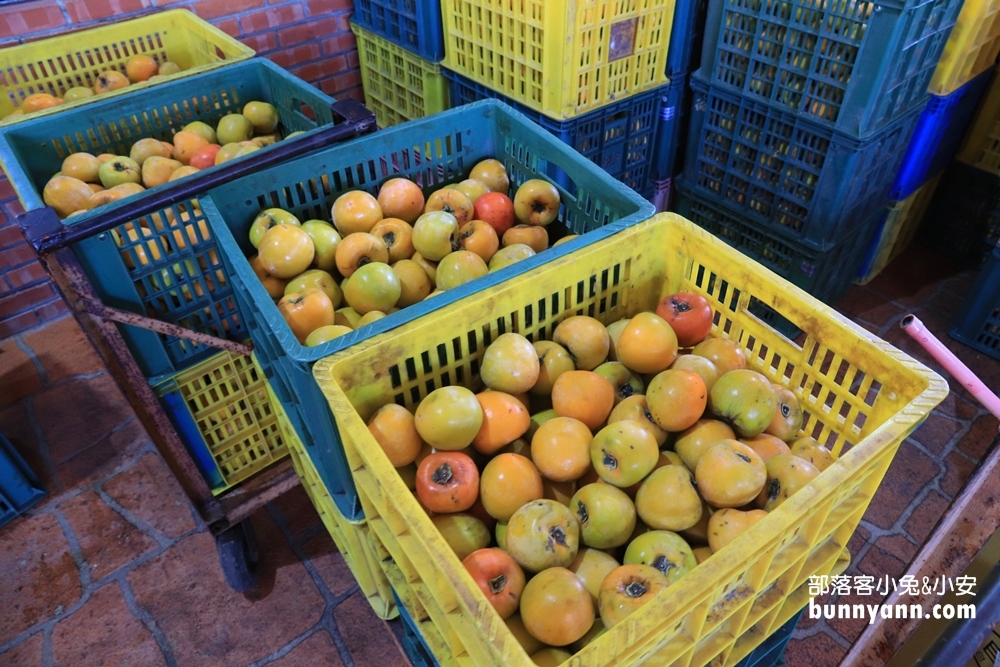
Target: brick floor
{"type": "Point", "coordinates": [116, 567]}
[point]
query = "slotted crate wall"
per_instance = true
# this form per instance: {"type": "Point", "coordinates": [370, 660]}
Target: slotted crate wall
{"type": "Point", "coordinates": [847, 65]}
{"type": "Point", "coordinates": [562, 58]}
{"type": "Point", "coordinates": [798, 179]}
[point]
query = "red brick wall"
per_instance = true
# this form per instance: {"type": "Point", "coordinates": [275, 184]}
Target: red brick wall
{"type": "Point", "coordinates": [310, 38]}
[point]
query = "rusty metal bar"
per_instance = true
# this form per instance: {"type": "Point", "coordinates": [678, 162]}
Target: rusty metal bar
{"type": "Point", "coordinates": [98, 309]}
{"type": "Point", "coordinates": [970, 521]}
{"type": "Point", "coordinates": [72, 283]}
{"type": "Point", "coordinates": [248, 496]}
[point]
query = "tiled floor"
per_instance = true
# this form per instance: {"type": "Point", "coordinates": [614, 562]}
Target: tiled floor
{"type": "Point", "coordinates": [115, 568]}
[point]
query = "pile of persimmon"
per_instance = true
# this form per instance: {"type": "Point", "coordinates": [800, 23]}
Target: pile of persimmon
{"type": "Point", "coordinates": [597, 468]}
{"type": "Point", "coordinates": [382, 253]}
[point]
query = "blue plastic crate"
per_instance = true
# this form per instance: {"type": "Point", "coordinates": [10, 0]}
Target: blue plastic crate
{"type": "Point", "coordinates": [849, 66]}
{"type": "Point", "coordinates": [619, 138]}
{"type": "Point", "coordinates": [963, 220]}
{"type": "Point", "coordinates": [940, 130]}
{"type": "Point", "coordinates": [802, 180]}
{"type": "Point", "coordinates": [686, 35]}
{"type": "Point", "coordinates": [414, 644]}
{"type": "Point", "coordinates": [414, 25]}
{"type": "Point", "coordinates": [171, 271]}
{"type": "Point", "coordinates": [825, 274]}
{"type": "Point", "coordinates": [767, 653]}
{"type": "Point", "coordinates": [978, 323]}
{"type": "Point", "coordinates": [433, 151]}
{"type": "Point", "coordinates": [19, 487]}
{"type": "Point", "coordinates": [671, 130]}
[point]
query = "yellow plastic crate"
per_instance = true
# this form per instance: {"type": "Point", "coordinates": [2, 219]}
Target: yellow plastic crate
{"type": "Point", "coordinates": [901, 224]}
{"type": "Point", "coordinates": [972, 47]}
{"type": "Point", "coordinates": [560, 57]}
{"type": "Point", "coordinates": [224, 412]}
{"type": "Point", "coordinates": [352, 540]}
{"type": "Point", "coordinates": [76, 59]}
{"type": "Point", "coordinates": [861, 396]}
{"type": "Point", "coordinates": [399, 86]}
{"type": "Point", "coordinates": [981, 148]}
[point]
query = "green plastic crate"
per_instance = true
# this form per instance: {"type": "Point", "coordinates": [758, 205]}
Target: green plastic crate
{"type": "Point", "coordinates": [173, 274]}
{"type": "Point", "coordinates": [399, 85]}
{"type": "Point", "coordinates": [432, 151]}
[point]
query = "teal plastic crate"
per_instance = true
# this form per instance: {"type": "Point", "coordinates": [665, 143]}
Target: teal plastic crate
{"type": "Point", "coordinates": [19, 487]}
{"type": "Point", "coordinates": [433, 152]}
{"type": "Point", "coordinates": [174, 273]}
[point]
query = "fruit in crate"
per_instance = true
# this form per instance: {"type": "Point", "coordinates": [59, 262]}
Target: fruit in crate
{"type": "Point", "coordinates": [153, 161]}
{"type": "Point", "coordinates": [602, 504]}
{"type": "Point", "coordinates": [423, 245]}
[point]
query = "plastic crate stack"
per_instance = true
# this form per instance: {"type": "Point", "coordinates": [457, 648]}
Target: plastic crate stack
{"type": "Point", "coordinates": [960, 79]}
{"type": "Point", "coordinates": [963, 221]}
{"type": "Point", "coordinates": [165, 264]}
{"type": "Point", "coordinates": [596, 76]}
{"type": "Point", "coordinates": [683, 59]}
{"type": "Point", "coordinates": [400, 48]}
{"type": "Point", "coordinates": [800, 120]}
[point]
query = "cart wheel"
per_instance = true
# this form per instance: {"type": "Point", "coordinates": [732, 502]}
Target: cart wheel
{"type": "Point", "coordinates": [237, 549]}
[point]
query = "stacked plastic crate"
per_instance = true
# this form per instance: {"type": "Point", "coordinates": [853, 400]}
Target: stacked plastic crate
{"type": "Point", "coordinates": [400, 47]}
{"type": "Point", "coordinates": [963, 220]}
{"type": "Point", "coordinates": [683, 59]}
{"type": "Point", "coordinates": [960, 80]}
{"type": "Point", "coordinates": [801, 115]}
{"type": "Point", "coordinates": [595, 76]}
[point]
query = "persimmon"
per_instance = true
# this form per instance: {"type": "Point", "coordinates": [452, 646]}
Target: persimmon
{"type": "Point", "coordinates": [676, 399]}
{"type": "Point", "coordinates": [585, 338]}
{"type": "Point", "coordinates": [499, 577]}
{"type": "Point", "coordinates": [692, 442]}
{"type": "Point", "coordinates": [543, 534]}
{"type": "Point", "coordinates": [730, 474]}
{"type": "Point", "coordinates": [626, 589]}
{"type": "Point", "coordinates": [556, 607]}
{"type": "Point", "coordinates": [623, 453]}
{"type": "Point", "coordinates": [447, 482]}
{"type": "Point", "coordinates": [560, 449]}
{"type": "Point", "coordinates": [767, 446]}
{"type": "Point", "coordinates": [689, 315]}
{"type": "Point", "coordinates": [647, 344]}
{"type": "Point", "coordinates": [725, 354]}
{"type": "Point", "coordinates": [592, 566]}
{"type": "Point", "coordinates": [505, 419]}
{"type": "Point", "coordinates": [811, 450]}
{"type": "Point", "coordinates": [393, 428]}
{"type": "Point", "coordinates": [583, 395]}
{"type": "Point", "coordinates": [508, 482]}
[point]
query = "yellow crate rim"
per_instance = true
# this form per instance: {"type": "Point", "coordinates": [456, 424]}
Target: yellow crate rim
{"type": "Point", "coordinates": [175, 33]}
{"type": "Point", "coordinates": [728, 605]}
